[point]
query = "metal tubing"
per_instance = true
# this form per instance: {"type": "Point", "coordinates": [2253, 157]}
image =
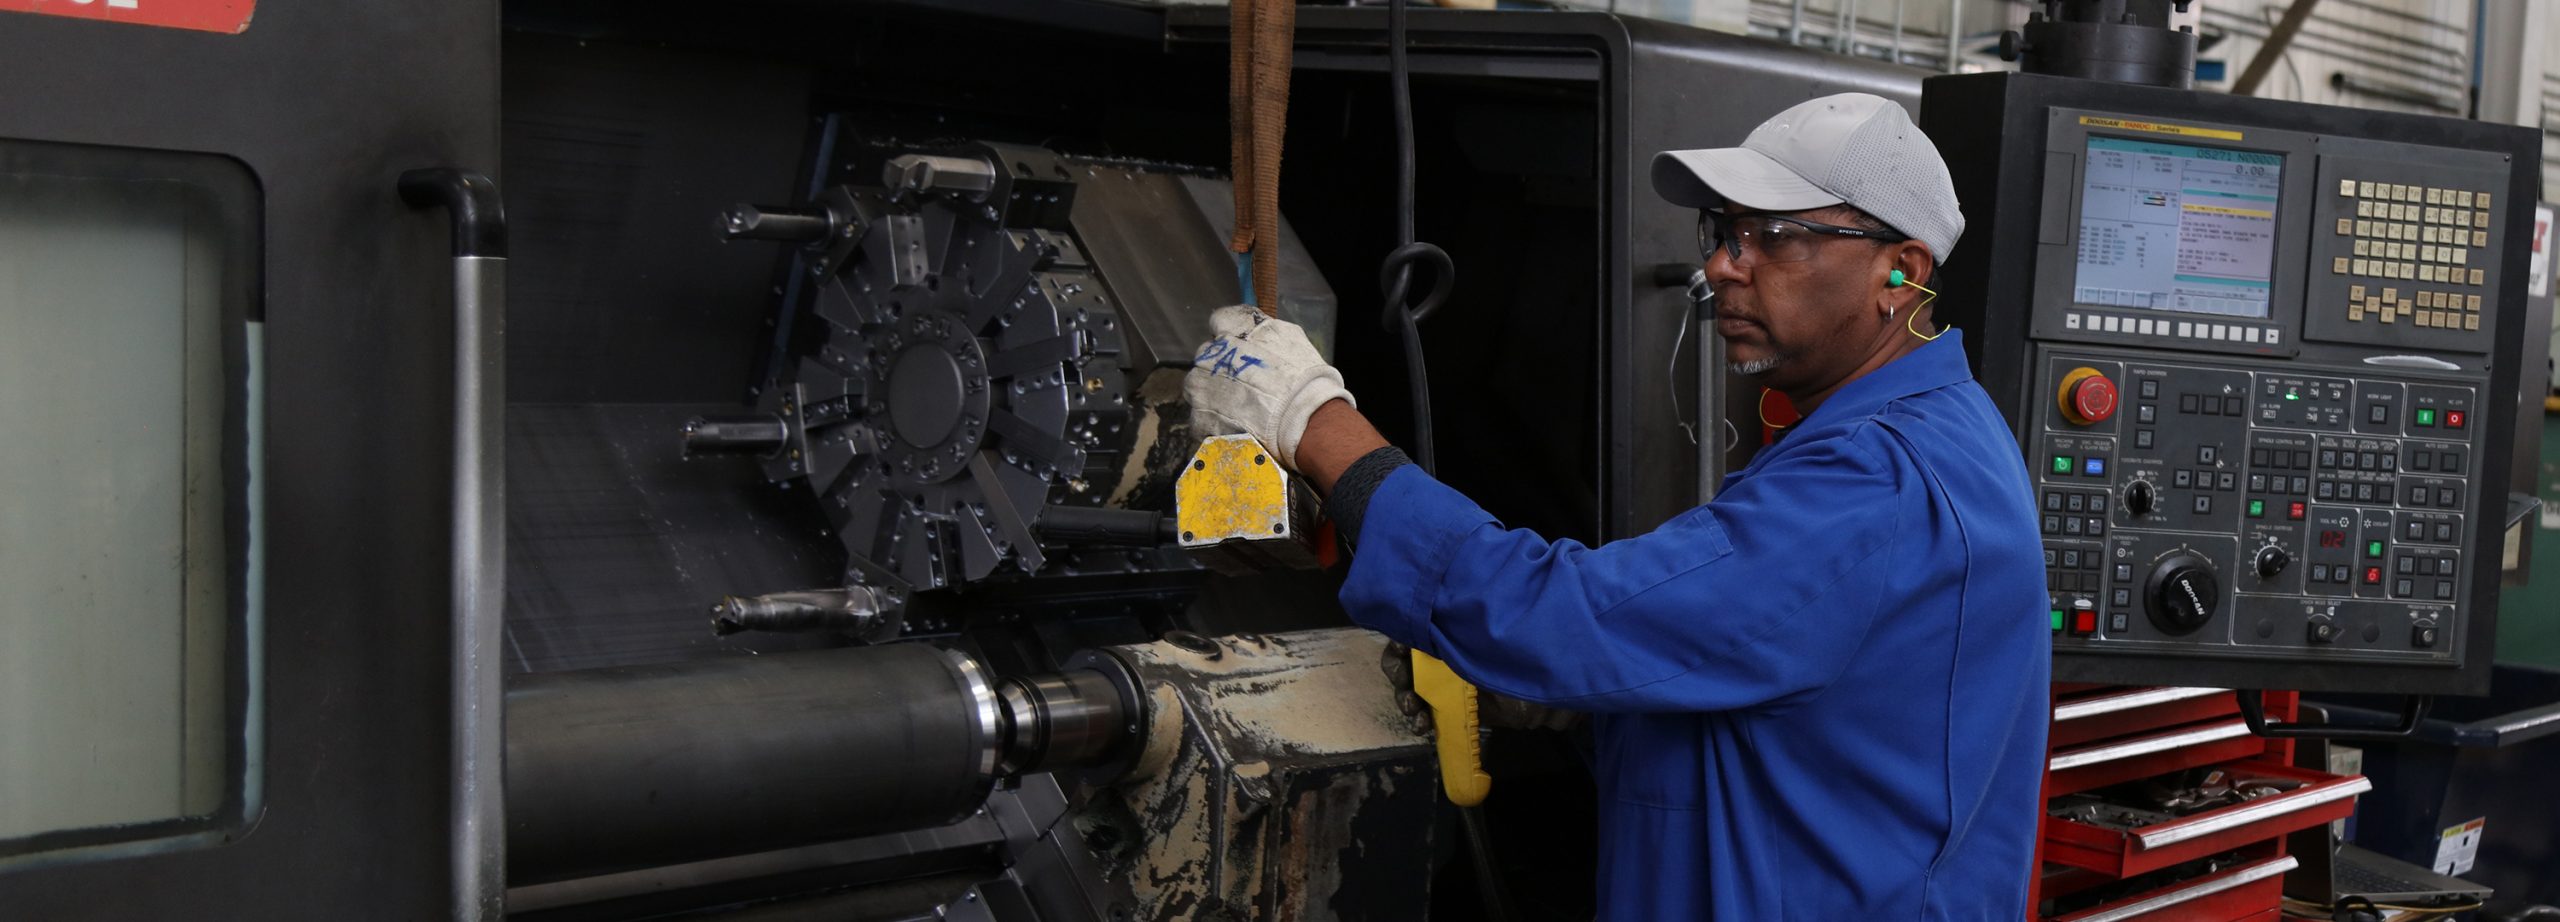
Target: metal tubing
{"type": "Point", "coordinates": [613, 769]}
{"type": "Point", "coordinates": [478, 543]}
{"type": "Point", "coordinates": [479, 576]}
{"type": "Point", "coordinates": [2273, 48]}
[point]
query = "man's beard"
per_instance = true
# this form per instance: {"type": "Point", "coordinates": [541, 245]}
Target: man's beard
{"type": "Point", "coordinates": [1753, 368]}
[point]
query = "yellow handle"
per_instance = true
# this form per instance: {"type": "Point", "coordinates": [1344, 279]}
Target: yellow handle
{"type": "Point", "coordinates": [1453, 720]}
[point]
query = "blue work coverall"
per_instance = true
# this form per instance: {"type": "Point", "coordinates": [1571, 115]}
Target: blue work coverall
{"type": "Point", "coordinates": [1821, 696]}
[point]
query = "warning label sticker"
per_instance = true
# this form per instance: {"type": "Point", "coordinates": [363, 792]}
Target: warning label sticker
{"type": "Point", "coordinates": [2458, 847]}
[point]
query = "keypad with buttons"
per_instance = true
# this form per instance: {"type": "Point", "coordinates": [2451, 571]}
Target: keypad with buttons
{"type": "Point", "coordinates": [2401, 263]}
{"type": "Point", "coordinates": [2299, 489]}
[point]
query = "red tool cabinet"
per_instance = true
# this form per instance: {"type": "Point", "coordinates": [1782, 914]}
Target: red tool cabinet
{"type": "Point", "coordinates": [2106, 735]}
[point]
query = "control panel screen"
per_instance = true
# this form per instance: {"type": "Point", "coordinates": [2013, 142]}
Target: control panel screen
{"type": "Point", "coordinates": [2177, 227]}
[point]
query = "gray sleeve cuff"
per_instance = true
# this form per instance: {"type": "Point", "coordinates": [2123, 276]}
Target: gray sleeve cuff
{"type": "Point", "coordinates": [1351, 492]}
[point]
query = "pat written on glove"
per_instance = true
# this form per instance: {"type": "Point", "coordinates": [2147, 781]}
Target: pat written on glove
{"type": "Point", "coordinates": [1260, 377]}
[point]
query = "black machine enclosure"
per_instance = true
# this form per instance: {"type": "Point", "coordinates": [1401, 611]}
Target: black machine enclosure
{"type": "Point", "coordinates": [2384, 388]}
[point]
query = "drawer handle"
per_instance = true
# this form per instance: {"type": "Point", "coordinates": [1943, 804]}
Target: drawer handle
{"type": "Point", "coordinates": [2147, 745]}
{"type": "Point", "coordinates": [2279, 805]}
{"type": "Point", "coordinates": [2248, 875]}
{"type": "Point", "coordinates": [2109, 704]}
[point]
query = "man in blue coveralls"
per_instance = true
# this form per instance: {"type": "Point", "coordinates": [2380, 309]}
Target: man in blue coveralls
{"type": "Point", "coordinates": [1821, 696]}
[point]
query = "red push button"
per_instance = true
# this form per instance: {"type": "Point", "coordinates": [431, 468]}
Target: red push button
{"type": "Point", "coordinates": [2084, 622]}
{"type": "Point", "coordinates": [2294, 512]}
{"type": "Point", "coordinates": [2087, 396]}
{"type": "Point", "coordinates": [2373, 576]}
{"type": "Point", "coordinates": [2453, 419]}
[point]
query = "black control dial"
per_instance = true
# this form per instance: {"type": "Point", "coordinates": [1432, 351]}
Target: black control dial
{"type": "Point", "coordinates": [2182, 593]}
{"type": "Point", "coordinates": [2140, 498]}
{"type": "Point", "coordinates": [2321, 629]}
{"type": "Point", "coordinates": [2270, 561]}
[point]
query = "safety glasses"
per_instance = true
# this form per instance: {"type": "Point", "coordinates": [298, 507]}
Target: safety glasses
{"type": "Point", "coordinates": [1755, 239]}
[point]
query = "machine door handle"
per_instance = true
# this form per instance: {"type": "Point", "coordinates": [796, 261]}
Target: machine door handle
{"type": "Point", "coordinates": [479, 528]}
{"type": "Point", "coordinates": [1454, 723]}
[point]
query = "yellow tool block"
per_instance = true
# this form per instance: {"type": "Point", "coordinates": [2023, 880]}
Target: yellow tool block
{"type": "Point", "coordinates": [1237, 511]}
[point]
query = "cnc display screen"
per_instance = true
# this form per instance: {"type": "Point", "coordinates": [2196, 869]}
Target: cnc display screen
{"type": "Point", "coordinates": [2177, 227]}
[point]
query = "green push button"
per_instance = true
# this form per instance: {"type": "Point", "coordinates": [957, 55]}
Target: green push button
{"type": "Point", "coordinates": [2426, 417]}
{"type": "Point", "coordinates": [2057, 619]}
{"type": "Point", "coordinates": [2373, 548]}
{"type": "Point", "coordinates": [2257, 508]}
{"type": "Point", "coordinates": [2062, 465]}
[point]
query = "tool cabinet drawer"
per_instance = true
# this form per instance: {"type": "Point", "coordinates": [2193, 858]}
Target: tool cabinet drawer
{"type": "Point", "coordinates": [2246, 893]}
{"type": "Point", "coordinates": [2109, 832]}
{"type": "Point", "coordinates": [2122, 759]}
{"type": "Point", "coordinates": [2097, 714]}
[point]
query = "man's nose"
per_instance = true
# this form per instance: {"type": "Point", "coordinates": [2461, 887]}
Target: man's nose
{"type": "Point", "coordinates": [1722, 269]}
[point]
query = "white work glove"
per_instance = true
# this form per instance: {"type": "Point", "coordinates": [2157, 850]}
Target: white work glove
{"type": "Point", "coordinates": [1260, 377]}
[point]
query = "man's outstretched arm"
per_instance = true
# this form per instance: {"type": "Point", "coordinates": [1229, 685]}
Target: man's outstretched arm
{"type": "Point", "coordinates": [1730, 605]}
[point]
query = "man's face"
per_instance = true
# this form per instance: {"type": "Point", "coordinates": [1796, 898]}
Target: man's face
{"type": "Point", "coordinates": [1788, 323]}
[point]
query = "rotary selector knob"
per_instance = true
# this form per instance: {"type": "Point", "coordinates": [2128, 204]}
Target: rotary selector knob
{"type": "Point", "coordinates": [2270, 561]}
{"type": "Point", "coordinates": [2322, 629]}
{"type": "Point", "coordinates": [2140, 497]}
{"type": "Point", "coordinates": [2087, 396]}
{"type": "Point", "coordinates": [2183, 594]}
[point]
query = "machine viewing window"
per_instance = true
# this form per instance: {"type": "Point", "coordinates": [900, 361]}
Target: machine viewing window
{"type": "Point", "coordinates": [2177, 227]}
{"type": "Point", "coordinates": [127, 351]}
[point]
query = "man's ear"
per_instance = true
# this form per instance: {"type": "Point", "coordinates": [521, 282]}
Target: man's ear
{"type": "Point", "coordinates": [1911, 259]}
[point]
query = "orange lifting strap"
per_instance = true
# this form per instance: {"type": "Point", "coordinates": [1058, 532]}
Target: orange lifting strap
{"type": "Point", "coordinates": [1260, 36]}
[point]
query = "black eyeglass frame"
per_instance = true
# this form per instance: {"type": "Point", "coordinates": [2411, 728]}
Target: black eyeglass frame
{"type": "Point", "coordinates": [1714, 227]}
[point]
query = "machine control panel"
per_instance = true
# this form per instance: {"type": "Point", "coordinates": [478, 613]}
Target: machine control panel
{"type": "Point", "coordinates": [2258, 512]}
{"type": "Point", "coordinates": [2255, 352]}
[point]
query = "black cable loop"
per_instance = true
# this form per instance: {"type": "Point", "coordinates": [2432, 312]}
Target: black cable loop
{"type": "Point", "coordinates": [1395, 281]}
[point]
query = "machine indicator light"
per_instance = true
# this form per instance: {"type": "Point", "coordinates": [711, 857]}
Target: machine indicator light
{"type": "Point", "coordinates": [2062, 464]}
{"type": "Point", "coordinates": [2373, 548]}
{"type": "Point", "coordinates": [2057, 619]}
{"type": "Point", "coordinates": [2257, 508]}
{"type": "Point", "coordinates": [2094, 467]}
{"type": "Point", "coordinates": [2426, 417]}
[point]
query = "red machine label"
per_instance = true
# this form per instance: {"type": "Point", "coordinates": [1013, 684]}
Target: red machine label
{"type": "Point", "coordinates": [225, 16]}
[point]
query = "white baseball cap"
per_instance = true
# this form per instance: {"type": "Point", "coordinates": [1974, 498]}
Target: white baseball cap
{"type": "Point", "coordinates": [1856, 149]}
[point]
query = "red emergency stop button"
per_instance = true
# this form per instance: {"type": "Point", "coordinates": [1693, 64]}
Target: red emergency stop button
{"type": "Point", "coordinates": [2087, 396]}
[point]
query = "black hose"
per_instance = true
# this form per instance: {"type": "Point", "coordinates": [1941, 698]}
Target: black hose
{"type": "Point", "coordinates": [1405, 317]}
